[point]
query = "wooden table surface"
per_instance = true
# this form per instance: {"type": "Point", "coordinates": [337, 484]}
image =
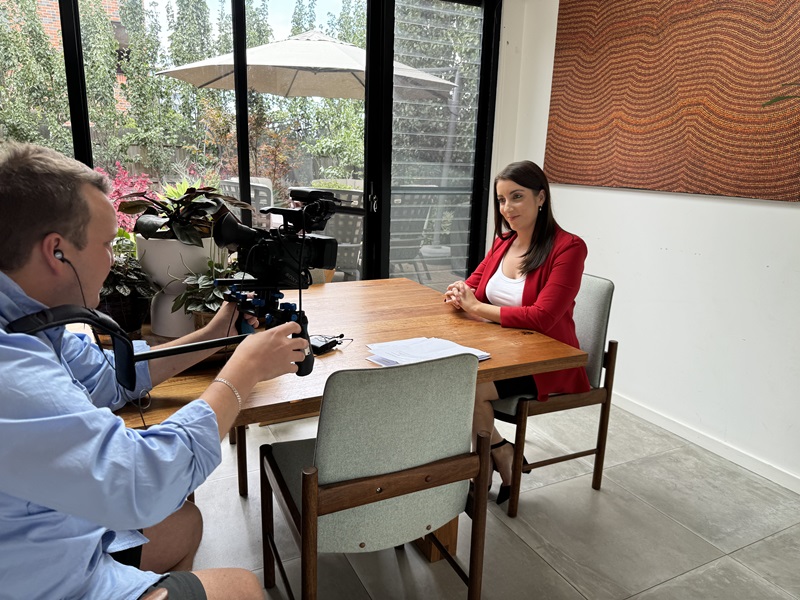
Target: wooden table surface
{"type": "Point", "coordinates": [368, 311]}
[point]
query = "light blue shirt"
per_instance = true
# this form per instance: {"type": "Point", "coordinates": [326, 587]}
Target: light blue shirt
{"type": "Point", "coordinates": [75, 483]}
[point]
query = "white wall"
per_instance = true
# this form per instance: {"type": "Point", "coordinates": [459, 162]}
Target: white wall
{"type": "Point", "coordinates": [707, 299]}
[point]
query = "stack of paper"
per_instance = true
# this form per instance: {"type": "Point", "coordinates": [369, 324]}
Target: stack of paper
{"type": "Point", "coordinates": [403, 352]}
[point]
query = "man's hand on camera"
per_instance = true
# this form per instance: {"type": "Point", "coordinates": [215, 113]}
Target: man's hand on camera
{"type": "Point", "coordinates": [224, 322]}
{"type": "Point", "coordinates": [260, 356]}
{"type": "Point", "coordinates": [268, 354]}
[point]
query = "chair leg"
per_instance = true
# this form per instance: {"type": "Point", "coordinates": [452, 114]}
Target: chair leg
{"type": "Point", "coordinates": [602, 435]}
{"type": "Point", "coordinates": [519, 452]}
{"type": "Point", "coordinates": [478, 537]}
{"type": "Point", "coordinates": [241, 459]}
{"type": "Point", "coordinates": [267, 526]}
{"type": "Point", "coordinates": [232, 436]}
{"type": "Point", "coordinates": [308, 535]}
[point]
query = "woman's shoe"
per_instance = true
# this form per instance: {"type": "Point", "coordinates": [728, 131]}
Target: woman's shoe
{"type": "Point", "coordinates": [505, 489]}
{"type": "Point", "coordinates": [504, 493]}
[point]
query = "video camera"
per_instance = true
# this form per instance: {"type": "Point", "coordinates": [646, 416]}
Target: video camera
{"type": "Point", "coordinates": [280, 258]}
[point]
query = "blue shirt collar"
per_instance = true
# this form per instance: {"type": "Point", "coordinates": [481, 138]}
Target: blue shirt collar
{"type": "Point", "coordinates": [15, 303]}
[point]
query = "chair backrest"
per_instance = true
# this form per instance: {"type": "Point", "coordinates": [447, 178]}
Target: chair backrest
{"type": "Point", "coordinates": [592, 311]}
{"type": "Point", "coordinates": [382, 420]}
{"type": "Point", "coordinates": [409, 214]}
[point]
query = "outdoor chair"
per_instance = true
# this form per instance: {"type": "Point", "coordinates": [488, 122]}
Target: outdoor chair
{"type": "Point", "coordinates": [390, 464]}
{"type": "Point", "coordinates": [592, 310]}
{"type": "Point", "coordinates": [349, 233]}
{"type": "Point", "coordinates": [409, 213]}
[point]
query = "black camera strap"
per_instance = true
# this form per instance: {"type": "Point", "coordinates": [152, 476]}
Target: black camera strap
{"type": "Point", "coordinates": [69, 313]}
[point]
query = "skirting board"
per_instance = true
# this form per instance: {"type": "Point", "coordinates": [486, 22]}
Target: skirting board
{"type": "Point", "coordinates": [744, 460]}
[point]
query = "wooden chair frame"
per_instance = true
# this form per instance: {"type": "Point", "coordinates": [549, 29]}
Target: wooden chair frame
{"type": "Point", "coordinates": [527, 407]}
{"type": "Point", "coordinates": [322, 500]}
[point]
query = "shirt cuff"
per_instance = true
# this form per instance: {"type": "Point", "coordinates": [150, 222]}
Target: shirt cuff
{"type": "Point", "coordinates": [126, 539]}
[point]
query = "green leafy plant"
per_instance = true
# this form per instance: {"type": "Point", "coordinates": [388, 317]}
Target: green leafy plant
{"type": "Point", "coordinates": [201, 295]}
{"type": "Point", "coordinates": [126, 276]}
{"type": "Point", "coordinates": [184, 212]}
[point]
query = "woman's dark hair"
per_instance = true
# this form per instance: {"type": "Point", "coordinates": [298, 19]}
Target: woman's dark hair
{"type": "Point", "coordinates": [528, 175]}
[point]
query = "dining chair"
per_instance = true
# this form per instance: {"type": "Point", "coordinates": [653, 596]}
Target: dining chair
{"type": "Point", "coordinates": [390, 464]}
{"type": "Point", "coordinates": [591, 314]}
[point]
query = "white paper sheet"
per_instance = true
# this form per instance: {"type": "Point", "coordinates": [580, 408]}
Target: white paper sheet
{"type": "Point", "coordinates": [403, 352]}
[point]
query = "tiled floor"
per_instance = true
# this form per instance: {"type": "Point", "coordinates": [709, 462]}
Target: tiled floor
{"type": "Point", "coordinates": [672, 521]}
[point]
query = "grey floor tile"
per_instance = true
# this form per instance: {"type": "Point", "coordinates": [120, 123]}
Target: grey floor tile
{"type": "Point", "coordinates": [405, 574]}
{"type": "Point", "coordinates": [540, 447]}
{"type": "Point", "coordinates": [511, 569]}
{"type": "Point", "coordinates": [276, 593]}
{"type": "Point", "coordinates": [723, 579]}
{"type": "Point", "coordinates": [608, 543]}
{"type": "Point", "coordinates": [336, 579]}
{"type": "Point", "coordinates": [629, 437]}
{"type": "Point", "coordinates": [776, 559]}
{"type": "Point", "coordinates": [725, 504]}
{"type": "Point", "coordinates": [232, 526]}
{"type": "Point", "coordinates": [300, 429]}
{"type": "Point", "coordinates": [254, 436]}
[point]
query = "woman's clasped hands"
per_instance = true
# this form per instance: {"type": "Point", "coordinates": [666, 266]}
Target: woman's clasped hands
{"type": "Point", "coordinates": [460, 295]}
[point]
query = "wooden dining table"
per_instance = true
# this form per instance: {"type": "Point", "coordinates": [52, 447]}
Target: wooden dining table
{"type": "Point", "coordinates": [363, 312]}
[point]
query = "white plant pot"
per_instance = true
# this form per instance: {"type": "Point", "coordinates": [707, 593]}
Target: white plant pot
{"type": "Point", "coordinates": [167, 262]}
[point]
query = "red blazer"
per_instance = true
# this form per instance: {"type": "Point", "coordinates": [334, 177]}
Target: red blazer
{"type": "Point", "coordinates": [548, 300]}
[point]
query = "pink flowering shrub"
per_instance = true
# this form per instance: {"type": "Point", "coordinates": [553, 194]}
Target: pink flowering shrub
{"type": "Point", "coordinates": [121, 184]}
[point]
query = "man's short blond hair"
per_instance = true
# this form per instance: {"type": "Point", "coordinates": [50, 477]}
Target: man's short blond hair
{"type": "Point", "coordinates": [40, 193]}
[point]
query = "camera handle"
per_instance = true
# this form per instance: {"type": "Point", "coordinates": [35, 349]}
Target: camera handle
{"type": "Point", "coordinates": [305, 367]}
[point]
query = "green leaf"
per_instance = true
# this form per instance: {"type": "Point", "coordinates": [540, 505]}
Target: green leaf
{"type": "Point", "coordinates": [148, 225]}
{"type": "Point", "coordinates": [186, 234]}
{"type": "Point", "coordinates": [134, 207]}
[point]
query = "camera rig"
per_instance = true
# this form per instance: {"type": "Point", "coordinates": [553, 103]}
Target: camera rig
{"type": "Point", "coordinates": [274, 258]}
{"type": "Point", "coordinates": [279, 258]}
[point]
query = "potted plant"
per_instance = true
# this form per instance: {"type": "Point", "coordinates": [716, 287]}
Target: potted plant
{"type": "Point", "coordinates": [184, 212]}
{"type": "Point", "coordinates": [127, 290]}
{"type": "Point", "coordinates": [174, 236]}
{"type": "Point", "coordinates": [202, 298]}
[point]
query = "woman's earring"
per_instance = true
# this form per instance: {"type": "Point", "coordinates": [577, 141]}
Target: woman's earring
{"type": "Point", "coordinates": [540, 208]}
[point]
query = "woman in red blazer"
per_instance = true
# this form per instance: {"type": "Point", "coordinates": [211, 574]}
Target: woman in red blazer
{"type": "Point", "coordinates": [528, 280]}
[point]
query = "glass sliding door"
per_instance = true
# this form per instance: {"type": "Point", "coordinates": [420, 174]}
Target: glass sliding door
{"type": "Point", "coordinates": [437, 54]}
{"type": "Point", "coordinates": [34, 105]}
{"type": "Point", "coordinates": [306, 117]}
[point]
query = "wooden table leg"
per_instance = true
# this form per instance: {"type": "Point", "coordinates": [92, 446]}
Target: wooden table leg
{"type": "Point", "coordinates": [241, 459]}
{"type": "Point", "coordinates": [232, 436]}
{"type": "Point", "coordinates": [447, 534]}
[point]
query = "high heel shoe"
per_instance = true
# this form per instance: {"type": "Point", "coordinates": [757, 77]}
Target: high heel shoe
{"type": "Point", "coordinates": [505, 489]}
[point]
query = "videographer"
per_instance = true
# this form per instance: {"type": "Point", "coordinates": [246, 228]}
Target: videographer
{"type": "Point", "coordinates": [88, 508]}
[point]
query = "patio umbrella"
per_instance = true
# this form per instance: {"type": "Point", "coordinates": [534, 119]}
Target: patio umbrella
{"type": "Point", "coordinates": [308, 64]}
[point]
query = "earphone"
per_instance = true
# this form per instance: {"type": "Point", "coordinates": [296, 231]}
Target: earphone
{"type": "Point", "coordinates": [60, 256]}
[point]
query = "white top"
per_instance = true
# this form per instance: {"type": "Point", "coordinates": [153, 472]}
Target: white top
{"type": "Point", "coordinates": [504, 291]}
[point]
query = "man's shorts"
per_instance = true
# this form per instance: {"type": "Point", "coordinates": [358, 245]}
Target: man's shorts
{"type": "Point", "coordinates": [181, 585]}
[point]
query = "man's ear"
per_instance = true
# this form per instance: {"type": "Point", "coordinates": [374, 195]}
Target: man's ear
{"type": "Point", "coordinates": [48, 247]}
